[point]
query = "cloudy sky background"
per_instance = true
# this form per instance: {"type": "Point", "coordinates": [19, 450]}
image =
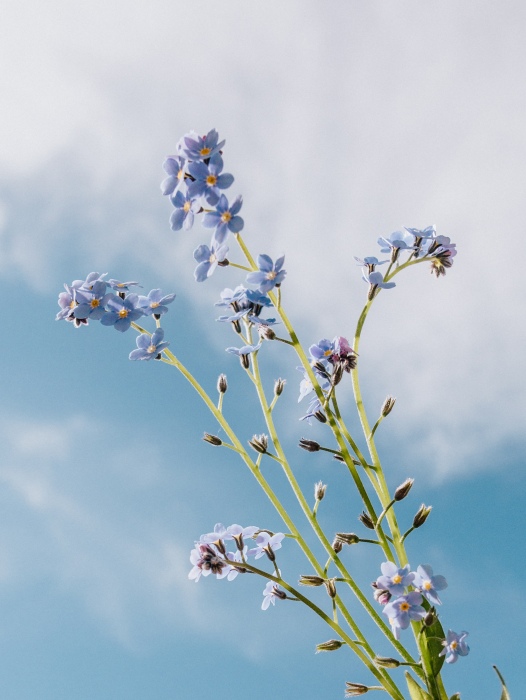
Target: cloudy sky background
{"type": "Point", "coordinates": [344, 121]}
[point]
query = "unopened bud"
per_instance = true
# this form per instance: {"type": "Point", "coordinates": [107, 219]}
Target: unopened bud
{"type": "Point", "coordinates": [430, 618]}
{"type": "Point", "coordinates": [330, 585]}
{"type": "Point", "coordinates": [308, 580]}
{"type": "Point", "coordinates": [337, 374]}
{"type": "Point", "coordinates": [337, 545]}
{"type": "Point", "coordinates": [319, 415]}
{"type": "Point", "coordinates": [388, 406]}
{"type": "Point", "coordinates": [402, 491]}
{"type": "Point", "coordinates": [279, 593]}
{"type": "Point", "coordinates": [347, 537]}
{"type": "Point", "coordinates": [222, 384]}
{"type": "Point", "coordinates": [365, 519]}
{"type": "Point", "coordinates": [455, 696]}
{"type": "Point", "coordinates": [339, 457]}
{"type": "Point", "coordinates": [212, 439]}
{"type": "Point", "coordinates": [386, 662]}
{"type": "Point", "coordinates": [223, 263]}
{"type": "Point", "coordinates": [309, 445]}
{"type": "Point", "coordinates": [382, 596]}
{"type": "Point", "coordinates": [319, 490]}
{"type": "Point", "coordinates": [259, 443]}
{"type": "Point", "coordinates": [331, 645]}
{"type": "Point", "coordinates": [245, 361]}
{"type": "Point", "coordinates": [320, 368]}
{"type": "Point", "coordinates": [270, 553]}
{"type": "Point", "coordinates": [422, 515]}
{"type": "Point", "coordinates": [279, 386]}
{"type": "Point", "coordinates": [352, 690]}
{"type": "Point", "coordinates": [266, 332]}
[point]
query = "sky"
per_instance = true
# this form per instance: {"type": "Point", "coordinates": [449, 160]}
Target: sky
{"type": "Point", "coordinates": [343, 122]}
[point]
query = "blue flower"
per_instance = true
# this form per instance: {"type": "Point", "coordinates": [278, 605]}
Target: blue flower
{"type": "Point", "coordinates": [266, 544]}
{"type": "Point", "coordinates": [174, 166]}
{"type": "Point", "coordinates": [201, 147]}
{"type": "Point", "coordinates": [208, 259]}
{"type": "Point", "coordinates": [393, 579]}
{"type": "Point", "coordinates": [206, 560]}
{"type": "Point", "coordinates": [242, 301]}
{"type": "Point", "coordinates": [91, 304]}
{"type": "Point", "coordinates": [271, 592]}
{"type": "Point", "coordinates": [208, 181]}
{"type": "Point", "coordinates": [402, 610]}
{"type": "Point", "coordinates": [245, 350]}
{"type": "Point", "coordinates": [397, 241]}
{"type": "Point", "coordinates": [186, 207]}
{"type": "Point", "coordinates": [376, 279]}
{"type": "Point", "coordinates": [122, 286]}
{"type": "Point", "coordinates": [224, 218]}
{"type": "Point", "coordinates": [149, 347]}
{"type": "Point", "coordinates": [428, 584]}
{"type": "Point", "coordinates": [454, 646]}
{"type": "Point", "coordinates": [269, 275]}
{"type": "Point", "coordinates": [155, 303]}
{"type": "Point", "coordinates": [122, 312]}
{"type": "Point", "coordinates": [89, 281]}
{"type": "Point", "coordinates": [323, 350]}
{"type": "Point", "coordinates": [370, 262]}
{"type": "Point", "coordinates": [67, 303]}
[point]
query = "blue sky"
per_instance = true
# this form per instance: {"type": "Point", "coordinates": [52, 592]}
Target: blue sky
{"type": "Point", "coordinates": [343, 122]}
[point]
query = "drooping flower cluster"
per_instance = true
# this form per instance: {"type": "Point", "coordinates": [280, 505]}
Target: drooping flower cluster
{"type": "Point", "coordinates": [211, 556]}
{"type": "Point", "coordinates": [401, 605]}
{"type": "Point", "coordinates": [329, 360]}
{"type": "Point", "coordinates": [89, 299]}
{"type": "Point", "coordinates": [195, 183]}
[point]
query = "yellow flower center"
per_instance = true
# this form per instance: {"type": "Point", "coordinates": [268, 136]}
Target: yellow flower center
{"type": "Point", "coordinates": [404, 607]}
{"type": "Point", "coordinates": [225, 217]}
{"type": "Point", "coordinates": [454, 645]}
{"type": "Point", "coordinates": [151, 349]}
{"type": "Point", "coordinates": [154, 304]}
{"type": "Point", "coordinates": [327, 353]}
{"type": "Point", "coordinates": [211, 180]}
{"type": "Point", "coordinates": [180, 174]}
{"type": "Point", "coordinates": [397, 579]}
{"type": "Point", "coordinates": [271, 275]}
{"type": "Point", "coordinates": [427, 586]}
{"type": "Point", "coordinates": [72, 304]}
{"type": "Point", "coordinates": [204, 152]}
{"type": "Point", "coordinates": [212, 258]}
{"type": "Point", "coordinates": [123, 313]}
{"type": "Point", "coordinates": [186, 206]}
{"type": "Point", "coordinates": [94, 303]}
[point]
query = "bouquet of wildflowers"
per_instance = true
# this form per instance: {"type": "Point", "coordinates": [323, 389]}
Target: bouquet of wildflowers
{"type": "Point", "coordinates": [403, 603]}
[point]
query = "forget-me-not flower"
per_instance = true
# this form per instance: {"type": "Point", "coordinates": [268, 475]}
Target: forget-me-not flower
{"type": "Point", "coordinates": [198, 147]}
{"type": "Point", "coordinates": [271, 592]}
{"type": "Point", "coordinates": [269, 275]}
{"type": "Point", "coordinates": [186, 207]}
{"type": "Point", "coordinates": [454, 646]}
{"type": "Point", "coordinates": [149, 347]}
{"type": "Point", "coordinates": [402, 610]}
{"type": "Point", "coordinates": [174, 166]}
{"type": "Point", "coordinates": [393, 579]}
{"type": "Point", "coordinates": [122, 312]}
{"type": "Point", "coordinates": [428, 584]}
{"type": "Point", "coordinates": [208, 179]}
{"type": "Point", "coordinates": [155, 303]}
{"type": "Point", "coordinates": [225, 218]}
{"type": "Point", "coordinates": [208, 259]}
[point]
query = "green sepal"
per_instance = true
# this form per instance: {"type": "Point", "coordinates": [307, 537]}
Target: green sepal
{"type": "Point", "coordinates": [505, 692]}
{"type": "Point", "coordinates": [434, 636]}
{"type": "Point", "coordinates": [415, 691]}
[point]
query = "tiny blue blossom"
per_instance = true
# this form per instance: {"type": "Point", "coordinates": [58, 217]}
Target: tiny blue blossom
{"type": "Point", "coordinates": [428, 584]}
{"type": "Point", "coordinates": [174, 167]}
{"type": "Point", "coordinates": [376, 279]}
{"type": "Point", "coordinates": [269, 275]}
{"type": "Point", "coordinates": [122, 312]}
{"type": "Point", "coordinates": [208, 179]}
{"type": "Point", "coordinates": [67, 303]}
{"type": "Point", "coordinates": [186, 207]}
{"type": "Point", "coordinates": [208, 259]}
{"type": "Point", "coordinates": [266, 543]}
{"type": "Point", "coordinates": [91, 304]}
{"type": "Point", "coordinates": [454, 646]}
{"type": "Point", "coordinates": [149, 347]}
{"type": "Point", "coordinates": [89, 281]}
{"type": "Point", "coordinates": [271, 592]}
{"type": "Point", "coordinates": [207, 560]}
{"type": "Point", "coordinates": [370, 262]}
{"type": "Point", "coordinates": [398, 240]}
{"type": "Point", "coordinates": [155, 302]}
{"type": "Point", "coordinates": [198, 147]}
{"type": "Point", "coordinates": [393, 579]}
{"type": "Point", "coordinates": [402, 610]}
{"type": "Point", "coordinates": [122, 286]}
{"type": "Point", "coordinates": [224, 218]}
{"type": "Point", "coordinates": [245, 350]}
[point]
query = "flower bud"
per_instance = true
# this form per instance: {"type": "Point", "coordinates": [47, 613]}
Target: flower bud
{"type": "Point", "coordinates": [330, 585]}
{"type": "Point", "coordinates": [279, 386]}
{"type": "Point", "coordinates": [365, 519]}
{"type": "Point", "coordinates": [212, 439]}
{"type": "Point", "coordinates": [320, 368]}
{"type": "Point", "coordinates": [337, 545]}
{"type": "Point", "coordinates": [309, 445]}
{"type": "Point", "coordinates": [347, 537]}
{"type": "Point", "coordinates": [222, 384]}
{"type": "Point", "coordinates": [319, 490]}
{"type": "Point", "coordinates": [430, 618]}
{"type": "Point", "coordinates": [422, 515]}
{"type": "Point", "coordinates": [245, 361]}
{"type": "Point", "coordinates": [331, 645]}
{"type": "Point", "coordinates": [386, 662]}
{"type": "Point", "coordinates": [308, 580]}
{"type": "Point", "coordinates": [279, 593]}
{"type": "Point", "coordinates": [339, 458]}
{"type": "Point", "coordinates": [382, 596]}
{"type": "Point", "coordinates": [223, 263]}
{"type": "Point", "coordinates": [352, 690]}
{"type": "Point", "coordinates": [388, 406]}
{"type": "Point", "coordinates": [455, 696]}
{"type": "Point", "coordinates": [259, 443]}
{"type": "Point", "coordinates": [337, 374]}
{"type": "Point", "coordinates": [402, 491]}
{"type": "Point", "coordinates": [266, 332]}
{"type": "Point", "coordinates": [319, 415]}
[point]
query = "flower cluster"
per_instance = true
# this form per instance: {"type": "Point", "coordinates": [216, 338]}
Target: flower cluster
{"type": "Point", "coordinates": [211, 556]}
{"type": "Point", "coordinates": [401, 605]}
{"type": "Point", "coordinates": [329, 360]}
{"type": "Point", "coordinates": [195, 185]}
{"type": "Point", "coordinates": [90, 299]}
